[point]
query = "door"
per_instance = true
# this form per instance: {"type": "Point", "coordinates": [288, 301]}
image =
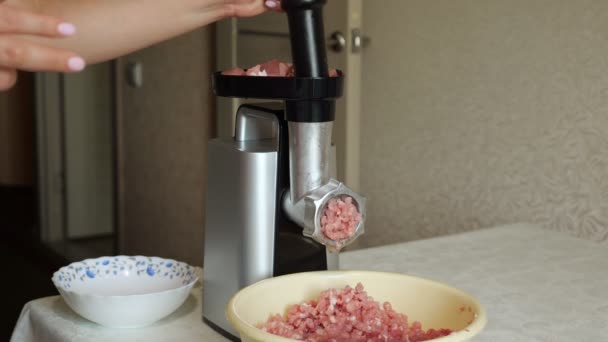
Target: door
{"type": "Point", "coordinates": [75, 161]}
{"type": "Point", "coordinates": [164, 121]}
{"type": "Point", "coordinates": [16, 134]}
{"type": "Point", "coordinates": [88, 109]}
{"type": "Point", "coordinates": [246, 42]}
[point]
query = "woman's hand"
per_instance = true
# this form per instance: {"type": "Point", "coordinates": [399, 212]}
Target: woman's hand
{"type": "Point", "coordinates": [29, 41]}
{"type": "Point", "coordinates": [18, 53]}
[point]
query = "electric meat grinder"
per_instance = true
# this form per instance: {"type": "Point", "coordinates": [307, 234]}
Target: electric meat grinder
{"type": "Point", "coordinates": [269, 184]}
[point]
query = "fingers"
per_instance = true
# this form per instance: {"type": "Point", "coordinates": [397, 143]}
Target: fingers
{"type": "Point", "coordinates": [273, 5]}
{"type": "Point", "coordinates": [249, 8]}
{"type": "Point", "coordinates": [14, 20]}
{"type": "Point", "coordinates": [8, 78]}
{"type": "Point", "coordinates": [21, 54]}
{"type": "Point", "coordinates": [24, 55]}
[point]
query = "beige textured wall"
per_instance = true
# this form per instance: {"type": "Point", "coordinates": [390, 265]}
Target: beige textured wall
{"type": "Point", "coordinates": [164, 127]}
{"type": "Point", "coordinates": [484, 112]}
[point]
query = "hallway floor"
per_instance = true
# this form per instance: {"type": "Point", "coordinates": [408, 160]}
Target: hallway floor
{"type": "Point", "coordinates": [28, 276]}
{"type": "Point", "coordinates": [27, 266]}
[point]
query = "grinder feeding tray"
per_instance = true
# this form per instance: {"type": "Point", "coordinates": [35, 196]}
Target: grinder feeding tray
{"type": "Point", "coordinates": [272, 206]}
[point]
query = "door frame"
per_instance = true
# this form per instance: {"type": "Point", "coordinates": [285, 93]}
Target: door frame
{"type": "Point", "coordinates": [226, 42]}
{"type": "Point", "coordinates": [50, 156]}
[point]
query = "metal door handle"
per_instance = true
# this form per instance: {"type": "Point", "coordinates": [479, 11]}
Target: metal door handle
{"type": "Point", "coordinates": [337, 41]}
{"type": "Point", "coordinates": [134, 74]}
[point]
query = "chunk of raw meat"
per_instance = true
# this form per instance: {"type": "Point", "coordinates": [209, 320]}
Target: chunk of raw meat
{"type": "Point", "coordinates": [234, 72]}
{"type": "Point", "coordinates": [273, 68]}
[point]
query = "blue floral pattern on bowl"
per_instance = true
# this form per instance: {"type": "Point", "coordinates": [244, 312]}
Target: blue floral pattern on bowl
{"type": "Point", "coordinates": [119, 266]}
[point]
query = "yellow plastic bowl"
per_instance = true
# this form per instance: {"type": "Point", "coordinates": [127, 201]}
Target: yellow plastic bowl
{"type": "Point", "coordinates": [433, 304]}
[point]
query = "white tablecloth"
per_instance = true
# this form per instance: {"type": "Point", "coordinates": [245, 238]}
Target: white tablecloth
{"type": "Point", "coordinates": [536, 285]}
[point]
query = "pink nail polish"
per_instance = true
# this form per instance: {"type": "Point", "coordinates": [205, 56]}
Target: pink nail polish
{"type": "Point", "coordinates": [271, 4]}
{"type": "Point", "coordinates": [76, 64]}
{"type": "Point", "coordinates": [66, 29]}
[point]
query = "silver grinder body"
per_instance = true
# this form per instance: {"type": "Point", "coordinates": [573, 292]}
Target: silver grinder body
{"type": "Point", "coordinates": [248, 237]}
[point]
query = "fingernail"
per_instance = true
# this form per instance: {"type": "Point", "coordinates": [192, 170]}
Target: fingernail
{"type": "Point", "coordinates": [66, 29]}
{"type": "Point", "coordinates": [271, 4]}
{"type": "Point", "coordinates": [76, 64]}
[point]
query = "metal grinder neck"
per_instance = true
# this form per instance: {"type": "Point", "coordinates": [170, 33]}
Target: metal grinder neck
{"type": "Point", "coordinates": [310, 121]}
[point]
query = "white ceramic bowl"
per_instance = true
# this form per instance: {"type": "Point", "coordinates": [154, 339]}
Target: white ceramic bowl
{"type": "Point", "coordinates": [125, 291]}
{"type": "Point", "coordinates": [433, 304]}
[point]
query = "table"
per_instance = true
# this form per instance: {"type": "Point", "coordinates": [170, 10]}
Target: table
{"type": "Point", "coordinates": [536, 285]}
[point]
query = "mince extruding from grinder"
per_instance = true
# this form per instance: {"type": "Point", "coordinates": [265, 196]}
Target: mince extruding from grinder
{"type": "Point", "coordinates": [273, 68]}
{"type": "Point", "coordinates": [347, 315]}
{"type": "Point", "coordinates": [340, 219]}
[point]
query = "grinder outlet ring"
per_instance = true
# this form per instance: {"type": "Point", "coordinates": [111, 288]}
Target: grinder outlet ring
{"type": "Point", "coordinates": [316, 203]}
{"type": "Point", "coordinates": [324, 206]}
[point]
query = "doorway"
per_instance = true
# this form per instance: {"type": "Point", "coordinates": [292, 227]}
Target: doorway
{"type": "Point", "coordinates": [76, 153]}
